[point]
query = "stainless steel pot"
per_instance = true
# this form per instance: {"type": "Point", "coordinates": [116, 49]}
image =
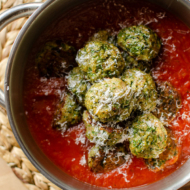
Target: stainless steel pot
{"type": "Point", "coordinates": [41, 18]}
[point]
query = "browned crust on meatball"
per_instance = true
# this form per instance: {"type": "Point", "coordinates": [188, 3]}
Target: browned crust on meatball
{"type": "Point", "coordinates": [169, 102]}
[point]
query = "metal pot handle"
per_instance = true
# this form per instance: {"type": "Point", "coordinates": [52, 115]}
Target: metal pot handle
{"type": "Point", "coordinates": [2, 99]}
{"type": "Point", "coordinates": [17, 12]}
{"type": "Point", "coordinates": [10, 15]}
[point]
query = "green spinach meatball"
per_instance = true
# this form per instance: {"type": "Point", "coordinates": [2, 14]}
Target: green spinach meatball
{"type": "Point", "coordinates": [105, 159]}
{"type": "Point", "coordinates": [144, 88]}
{"type": "Point", "coordinates": [109, 100]}
{"type": "Point", "coordinates": [103, 134]}
{"type": "Point", "coordinates": [166, 158]}
{"type": "Point", "coordinates": [77, 84]}
{"type": "Point", "coordinates": [101, 35]}
{"type": "Point", "coordinates": [131, 63]}
{"type": "Point", "coordinates": [104, 35]}
{"type": "Point", "coordinates": [55, 58]}
{"type": "Point", "coordinates": [140, 42]}
{"type": "Point", "coordinates": [169, 102]}
{"type": "Point", "coordinates": [68, 113]}
{"type": "Point", "coordinates": [148, 137]}
{"type": "Point", "coordinates": [100, 60]}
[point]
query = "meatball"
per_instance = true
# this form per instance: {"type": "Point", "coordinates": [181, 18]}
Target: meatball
{"type": "Point", "coordinates": [102, 35]}
{"type": "Point", "coordinates": [168, 157]}
{"type": "Point", "coordinates": [168, 102]}
{"type": "Point", "coordinates": [55, 58]}
{"type": "Point", "coordinates": [144, 88]}
{"type": "Point", "coordinates": [68, 113]}
{"type": "Point", "coordinates": [109, 100]}
{"type": "Point", "coordinates": [140, 42]}
{"type": "Point", "coordinates": [105, 159]}
{"type": "Point", "coordinates": [77, 84]}
{"type": "Point", "coordinates": [131, 63]}
{"type": "Point", "coordinates": [100, 60]}
{"type": "Point", "coordinates": [103, 134]}
{"type": "Point", "coordinates": [148, 137]}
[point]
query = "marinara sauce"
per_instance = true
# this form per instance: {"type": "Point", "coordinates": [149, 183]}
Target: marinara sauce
{"type": "Point", "coordinates": [41, 95]}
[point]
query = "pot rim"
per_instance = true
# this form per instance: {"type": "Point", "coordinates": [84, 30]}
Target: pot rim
{"type": "Point", "coordinates": [62, 185]}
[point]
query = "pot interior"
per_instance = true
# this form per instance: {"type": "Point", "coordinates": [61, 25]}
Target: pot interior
{"type": "Point", "coordinates": [39, 21]}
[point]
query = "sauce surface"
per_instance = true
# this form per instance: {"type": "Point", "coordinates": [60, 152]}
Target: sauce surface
{"type": "Point", "coordinates": [41, 95]}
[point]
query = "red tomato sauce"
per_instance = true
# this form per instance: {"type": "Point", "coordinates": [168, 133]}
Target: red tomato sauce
{"type": "Point", "coordinates": [41, 95]}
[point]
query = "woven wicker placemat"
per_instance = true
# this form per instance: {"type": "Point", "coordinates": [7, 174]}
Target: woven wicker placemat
{"type": "Point", "coordinates": [9, 148]}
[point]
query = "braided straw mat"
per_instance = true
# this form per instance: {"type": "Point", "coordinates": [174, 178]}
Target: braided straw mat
{"type": "Point", "coordinates": [9, 148]}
